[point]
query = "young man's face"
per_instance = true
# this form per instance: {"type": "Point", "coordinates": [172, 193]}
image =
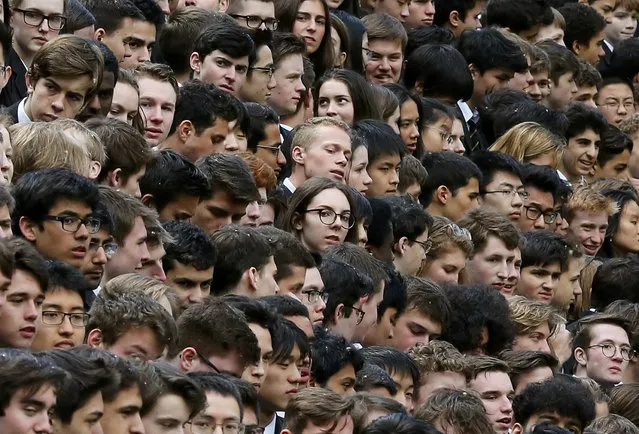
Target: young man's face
{"type": "Point", "coordinates": [28, 412]}
{"type": "Point", "coordinates": [420, 13]}
{"type": "Point", "coordinates": [434, 381]}
{"type": "Point", "coordinates": [131, 43]}
{"type": "Point", "coordinates": [261, 81]}
{"type": "Point", "coordinates": [217, 211]}
{"type": "Point", "coordinates": [265, 279]}
{"type": "Point", "coordinates": [496, 392]}
{"type": "Point", "coordinates": [563, 91]}
{"type": "Point", "coordinates": [414, 327]}
{"type": "Point", "coordinates": [505, 193]}
{"type": "Point", "coordinates": [263, 9]}
{"type": "Point", "coordinates": [152, 267]}
{"type": "Point", "coordinates": [70, 332]}
{"type": "Point", "coordinates": [137, 343]}
{"type": "Point", "coordinates": [465, 199]}
{"type": "Point", "coordinates": [190, 284]}
{"type": "Point", "coordinates": [222, 70]}
{"type": "Point", "coordinates": [616, 102]}
{"type": "Point", "coordinates": [220, 409]}
{"type": "Point", "coordinates": [157, 102]}
{"type": "Point", "coordinates": [287, 93]}
{"type": "Point", "coordinates": [537, 204]}
{"type": "Point", "coordinates": [489, 81]}
{"type": "Point", "coordinates": [569, 289]}
{"type": "Point", "coordinates": [85, 420]}
{"type": "Point", "coordinates": [255, 374]}
{"type": "Point", "coordinates": [592, 52]}
{"type": "Point", "coordinates": [396, 8]}
{"type": "Point", "coordinates": [604, 7]}
{"type": "Point", "coordinates": [100, 104]}
{"type": "Point", "coordinates": [383, 60]}
{"type": "Point", "coordinates": [169, 414]}
{"type": "Point", "coordinates": [384, 172]}
{"type": "Point", "coordinates": [598, 366]}
{"type": "Point", "coordinates": [551, 32]}
{"type": "Point", "coordinates": [405, 390]}
{"type": "Point", "coordinates": [586, 95]}
{"type": "Point", "coordinates": [343, 425]}
{"type": "Point", "coordinates": [282, 381]}
{"type": "Point", "coordinates": [54, 98]}
{"type": "Point", "coordinates": [543, 83]}
{"type": "Point", "coordinates": [211, 140]}
{"type": "Point", "coordinates": [539, 282]}
{"type": "Point", "coordinates": [131, 253]}
{"type": "Point", "coordinates": [580, 156]}
{"type": "Point", "coordinates": [181, 208]}
{"type": "Point", "coordinates": [535, 340]}
{"type": "Point", "coordinates": [553, 418]}
{"type": "Point", "coordinates": [622, 25]}
{"type": "Point", "coordinates": [122, 415]}
{"type": "Point", "coordinates": [370, 314]}
{"type": "Point", "coordinates": [93, 267]}
{"type": "Point", "coordinates": [269, 149]}
{"type": "Point", "coordinates": [491, 266]}
{"type": "Point", "coordinates": [20, 311]}
{"type": "Point", "coordinates": [28, 39]}
{"type": "Point", "coordinates": [343, 381]}
{"type": "Point", "coordinates": [616, 168]}
{"type": "Point", "coordinates": [326, 155]}
{"type": "Point", "coordinates": [409, 260]}
{"type": "Point", "coordinates": [125, 103]}
{"type": "Point", "coordinates": [590, 229]}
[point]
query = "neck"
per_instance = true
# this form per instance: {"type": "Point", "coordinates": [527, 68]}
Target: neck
{"type": "Point", "coordinates": [266, 414]}
{"type": "Point", "coordinates": [297, 177]}
{"type": "Point", "coordinates": [293, 120]}
{"type": "Point", "coordinates": [25, 56]}
{"type": "Point", "coordinates": [182, 78]}
{"type": "Point", "coordinates": [435, 210]}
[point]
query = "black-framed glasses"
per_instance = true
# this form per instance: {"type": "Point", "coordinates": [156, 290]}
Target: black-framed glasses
{"type": "Point", "coordinates": [266, 70]}
{"type": "Point", "coordinates": [533, 213]}
{"type": "Point", "coordinates": [36, 18]}
{"type": "Point", "coordinates": [215, 369]}
{"type": "Point", "coordinates": [208, 427]}
{"type": "Point", "coordinates": [274, 149]}
{"type": "Point", "coordinates": [314, 296]}
{"type": "Point", "coordinates": [110, 247]}
{"type": "Point", "coordinates": [255, 21]}
{"type": "Point", "coordinates": [609, 351]}
{"type": "Point", "coordinates": [253, 429]}
{"type": "Point", "coordinates": [426, 245]}
{"type": "Point", "coordinates": [360, 314]}
{"type": "Point", "coordinates": [54, 317]}
{"type": "Point", "coordinates": [328, 217]}
{"type": "Point", "coordinates": [509, 193]}
{"type": "Point", "coordinates": [73, 223]}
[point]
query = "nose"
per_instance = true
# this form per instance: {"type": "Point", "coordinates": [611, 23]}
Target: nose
{"type": "Point", "coordinates": [544, 347]}
{"type": "Point", "coordinates": [312, 26]}
{"type": "Point", "coordinates": [367, 179]}
{"type": "Point", "coordinates": [573, 88]}
{"type": "Point", "coordinates": [622, 109]}
{"type": "Point", "coordinates": [405, 12]}
{"type": "Point", "coordinates": [384, 64]}
{"type": "Point", "coordinates": [57, 104]}
{"type": "Point", "coordinates": [281, 159]}
{"type": "Point", "coordinates": [136, 425]}
{"type": "Point", "coordinates": [576, 290]}
{"type": "Point", "coordinates": [230, 143]}
{"type": "Point", "coordinates": [155, 114]}
{"type": "Point", "coordinates": [414, 132]}
{"type": "Point", "coordinates": [31, 311]}
{"type": "Point", "coordinates": [5, 163]}
{"type": "Point", "coordinates": [145, 55]}
{"type": "Point", "coordinates": [258, 370]}
{"type": "Point", "coordinates": [43, 424]}
{"type": "Point", "coordinates": [145, 256]}
{"type": "Point", "coordinates": [66, 329]}
{"type": "Point", "coordinates": [506, 406]}
{"type": "Point", "coordinates": [271, 83]}
{"type": "Point", "coordinates": [600, 52]}
{"type": "Point", "coordinates": [44, 26]}
{"type": "Point", "coordinates": [158, 272]}
{"type": "Point", "coordinates": [94, 105]}
{"type": "Point", "coordinates": [331, 110]}
{"type": "Point", "coordinates": [540, 223]}
{"type": "Point", "coordinates": [100, 257]}
{"type": "Point", "coordinates": [196, 296]}
{"type": "Point", "coordinates": [517, 202]}
{"type": "Point", "coordinates": [231, 75]}
{"type": "Point", "coordinates": [394, 179]}
{"type": "Point", "coordinates": [430, 8]}
{"type": "Point", "coordinates": [300, 86]}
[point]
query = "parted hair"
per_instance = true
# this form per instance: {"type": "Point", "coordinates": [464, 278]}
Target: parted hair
{"type": "Point", "coordinates": [383, 26]}
{"type": "Point", "coordinates": [483, 223]}
{"type": "Point", "coordinates": [455, 409]}
{"type": "Point", "coordinates": [591, 200]}
{"type": "Point", "coordinates": [123, 210]}
{"type": "Point", "coordinates": [529, 140]}
{"type": "Point", "coordinates": [318, 406]}
{"type": "Point", "coordinates": [529, 314]}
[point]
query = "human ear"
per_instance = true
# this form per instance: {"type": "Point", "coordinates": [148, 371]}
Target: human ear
{"type": "Point", "coordinates": [94, 338]}
{"type": "Point", "coordinates": [27, 228]}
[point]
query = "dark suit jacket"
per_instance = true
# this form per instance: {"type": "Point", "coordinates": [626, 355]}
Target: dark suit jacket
{"type": "Point", "coordinates": [279, 424]}
{"type": "Point", "coordinates": [604, 62]}
{"type": "Point", "coordinates": [16, 88]}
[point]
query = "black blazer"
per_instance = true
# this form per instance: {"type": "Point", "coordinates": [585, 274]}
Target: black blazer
{"type": "Point", "coordinates": [16, 88]}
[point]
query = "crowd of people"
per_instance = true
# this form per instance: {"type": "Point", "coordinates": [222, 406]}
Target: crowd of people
{"type": "Point", "coordinates": [319, 216]}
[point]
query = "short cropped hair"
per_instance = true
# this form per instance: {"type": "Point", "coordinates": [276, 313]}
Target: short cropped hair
{"type": "Point", "coordinates": [411, 172]}
{"type": "Point", "coordinates": [562, 60]}
{"type": "Point", "coordinates": [582, 118]}
{"type": "Point", "coordinates": [373, 377]}
{"type": "Point", "coordinates": [230, 39]}
{"type": "Point", "coordinates": [330, 354]}
{"type": "Point", "coordinates": [288, 251]}
{"type": "Point", "coordinates": [583, 23]}
{"type": "Point", "coordinates": [455, 409]}
{"type": "Point", "coordinates": [427, 297]}
{"type": "Point", "coordinates": [613, 142]}
{"type": "Point", "coordinates": [380, 139]}
{"type": "Point", "coordinates": [582, 335]}
{"type": "Point", "coordinates": [192, 247]}
{"type": "Point", "coordinates": [612, 423]}
{"type": "Point", "coordinates": [316, 406]}
{"type": "Point", "coordinates": [448, 169]}
{"type": "Point", "coordinates": [485, 223]}
{"type": "Point", "coordinates": [158, 72]}
{"type": "Point", "coordinates": [286, 44]}
{"type": "Point", "coordinates": [123, 210]}
{"type": "Point", "coordinates": [544, 248]}
{"type": "Point", "coordinates": [231, 175]}
{"type": "Point", "coordinates": [308, 130]}
{"type": "Point", "coordinates": [490, 49]}
{"type": "Point", "coordinates": [588, 75]}
{"type": "Point", "coordinates": [392, 361]}
{"type": "Point", "coordinates": [385, 27]}
{"type": "Point", "coordinates": [361, 260]}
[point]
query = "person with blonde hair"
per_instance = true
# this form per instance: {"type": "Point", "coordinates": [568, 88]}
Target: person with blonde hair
{"type": "Point", "coordinates": [86, 138]}
{"type": "Point", "coordinates": [159, 291]}
{"type": "Point", "coordinates": [529, 142]}
{"type": "Point", "coordinates": [43, 145]}
{"type": "Point", "coordinates": [451, 247]}
{"type": "Point", "coordinates": [588, 211]}
{"type": "Point", "coordinates": [535, 322]}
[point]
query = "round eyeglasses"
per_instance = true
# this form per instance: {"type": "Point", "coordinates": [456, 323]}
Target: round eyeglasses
{"type": "Point", "coordinates": [328, 217]}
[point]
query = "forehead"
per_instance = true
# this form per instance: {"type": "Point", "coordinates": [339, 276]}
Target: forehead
{"type": "Point", "coordinates": [63, 297]}
{"type": "Point", "coordinates": [491, 380]}
{"type": "Point", "coordinates": [330, 135]}
{"type": "Point", "coordinates": [156, 89]}
{"type": "Point", "coordinates": [263, 9]}
{"type": "Point", "coordinates": [290, 63]}
{"type": "Point", "coordinates": [385, 46]}
{"type": "Point", "coordinates": [49, 6]}
{"type": "Point", "coordinates": [415, 315]}
{"type": "Point", "coordinates": [543, 198]}
{"type": "Point", "coordinates": [504, 177]}
{"type": "Point", "coordinates": [581, 216]}
{"type": "Point", "coordinates": [220, 54]}
{"type": "Point", "coordinates": [64, 204]}
{"type": "Point", "coordinates": [311, 5]}
{"type": "Point", "coordinates": [330, 197]}
{"type": "Point", "coordinates": [495, 244]}
{"type": "Point", "coordinates": [602, 332]}
{"type": "Point", "coordinates": [615, 90]}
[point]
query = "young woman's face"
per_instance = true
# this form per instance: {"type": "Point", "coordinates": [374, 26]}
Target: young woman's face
{"type": "Point", "coordinates": [627, 236]}
{"type": "Point", "coordinates": [456, 144]}
{"type": "Point", "coordinates": [548, 160]}
{"type": "Point", "coordinates": [357, 176]}
{"type": "Point", "coordinates": [310, 24]}
{"type": "Point", "coordinates": [335, 101]}
{"type": "Point", "coordinates": [409, 124]}
{"type": "Point", "coordinates": [325, 221]}
{"type": "Point", "coordinates": [338, 53]}
{"type": "Point", "coordinates": [435, 135]}
{"type": "Point", "coordinates": [446, 267]}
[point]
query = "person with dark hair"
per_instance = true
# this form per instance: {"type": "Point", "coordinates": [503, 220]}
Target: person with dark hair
{"type": "Point", "coordinates": [335, 364]}
{"type": "Point", "coordinates": [454, 409]}
{"type": "Point", "coordinates": [611, 282]}
{"type": "Point", "coordinates": [293, 310]}
{"type": "Point", "coordinates": [561, 400]}
{"type": "Point", "coordinates": [542, 185]}
{"type": "Point", "coordinates": [189, 262]}
{"type": "Point", "coordinates": [54, 211]}
{"type": "Point", "coordinates": [318, 409]}
{"type": "Point", "coordinates": [527, 367]}
{"type": "Point", "coordinates": [601, 348]}
{"type": "Point", "coordinates": [375, 382]}
{"type": "Point", "coordinates": [5, 50]}
{"type": "Point", "coordinates": [564, 70]}
{"type": "Point", "coordinates": [585, 125]}
{"type": "Point", "coordinates": [521, 17]}
{"type": "Point", "coordinates": [588, 81]}
{"type": "Point", "coordinates": [584, 34]}
{"type": "Point", "coordinates": [438, 71]}
{"type": "Point", "coordinates": [173, 186]}
{"type": "Point", "coordinates": [614, 153]}
{"type": "Point", "coordinates": [410, 113]}
{"type": "Point", "coordinates": [223, 403]}
{"type": "Point", "coordinates": [245, 263]}
{"type": "Point", "coordinates": [615, 99]}
{"type": "Point", "coordinates": [231, 52]}
{"type": "Point", "coordinates": [624, 62]}
{"type": "Point", "coordinates": [64, 318]}
{"type": "Point", "coordinates": [500, 187]}
{"type": "Point", "coordinates": [264, 135]}
{"type": "Point", "coordinates": [399, 423]}
{"type": "Point", "coordinates": [380, 231]}
{"type": "Point", "coordinates": [428, 34]}
{"type": "Point", "coordinates": [402, 369]}
{"type": "Point", "coordinates": [29, 384]}
{"type": "Point", "coordinates": [232, 189]}
{"type": "Point", "coordinates": [621, 237]}
{"type": "Point", "coordinates": [452, 186]}
{"type": "Point", "coordinates": [544, 257]}
{"type": "Point", "coordinates": [458, 15]}
{"type": "Point", "coordinates": [99, 104]}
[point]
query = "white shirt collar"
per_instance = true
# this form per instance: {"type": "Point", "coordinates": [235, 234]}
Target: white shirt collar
{"type": "Point", "coordinates": [23, 118]}
{"type": "Point", "coordinates": [270, 428]}
{"type": "Point", "coordinates": [467, 113]}
{"type": "Point", "coordinates": [288, 184]}
{"type": "Point", "coordinates": [609, 45]}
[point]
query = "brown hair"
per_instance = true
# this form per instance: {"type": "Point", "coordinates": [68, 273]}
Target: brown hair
{"type": "Point", "coordinates": [42, 145]}
{"type": "Point", "coordinates": [624, 402]}
{"type": "Point", "coordinates": [481, 364]}
{"type": "Point", "coordinates": [591, 200]}
{"type": "Point", "coordinates": [123, 210]}
{"type": "Point", "coordinates": [443, 241]}
{"type": "Point", "coordinates": [385, 27]}
{"type": "Point", "coordinates": [457, 409]}
{"type": "Point", "coordinates": [159, 72]}
{"type": "Point", "coordinates": [483, 223]}
{"type": "Point", "coordinates": [582, 336]}
{"type": "Point", "coordinates": [137, 282]}
{"type": "Point", "coordinates": [411, 172]}
{"type": "Point", "coordinates": [318, 406]}
{"type": "Point", "coordinates": [437, 356]}
{"type": "Point", "coordinates": [521, 362]}
{"type": "Point", "coordinates": [263, 173]}
{"type": "Point", "coordinates": [529, 314]}
{"type": "Point", "coordinates": [527, 141]}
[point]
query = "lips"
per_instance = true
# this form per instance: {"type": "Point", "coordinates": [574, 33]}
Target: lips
{"type": "Point", "coordinates": [544, 296]}
{"type": "Point", "coordinates": [28, 332]}
{"type": "Point", "coordinates": [590, 249]}
{"type": "Point", "coordinates": [226, 88]}
{"type": "Point", "coordinates": [507, 289]}
{"type": "Point", "coordinates": [292, 392]}
{"type": "Point", "coordinates": [257, 386]}
{"type": "Point", "coordinates": [515, 215]}
{"type": "Point", "coordinates": [65, 344]}
{"type": "Point", "coordinates": [79, 252]}
{"type": "Point", "coordinates": [153, 133]}
{"type": "Point", "coordinates": [332, 239]}
{"type": "Point", "coordinates": [412, 147]}
{"type": "Point", "coordinates": [337, 174]}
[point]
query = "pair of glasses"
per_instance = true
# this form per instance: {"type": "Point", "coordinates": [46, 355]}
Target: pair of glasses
{"type": "Point", "coordinates": [328, 217]}
{"type": "Point", "coordinates": [53, 317]}
{"type": "Point", "coordinates": [533, 213]}
{"type": "Point", "coordinates": [446, 137]}
{"type": "Point", "coordinates": [36, 18]}
{"type": "Point", "coordinates": [266, 70]}
{"type": "Point", "coordinates": [610, 350]}
{"type": "Point", "coordinates": [73, 223]}
{"type": "Point", "coordinates": [110, 248]}
{"type": "Point", "coordinates": [215, 369]}
{"type": "Point", "coordinates": [426, 245]}
{"type": "Point", "coordinates": [523, 194]}
{"type": "Point", "coordinates": [360, 314]}
{"type": "Point", "coordinates": [206, 427]}
{"type": "Point", "coordinates": [314, 296]}
{"type": "Point", "coordinates": [253, 429]}
{"type": "Point", "coordinates": [255, 21]}
{"type": "Point", "coordinates": [274, 149]}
